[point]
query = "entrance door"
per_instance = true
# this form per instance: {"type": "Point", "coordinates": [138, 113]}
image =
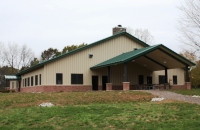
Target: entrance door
{"type": "Point", "coordinates": [104, 81]}
{"type": "Point", "coordinates": [149, 80]}
{"type": "Point", "coordinates": [141, 79]}
{"type": "Point", "coordinates": [94, 82]}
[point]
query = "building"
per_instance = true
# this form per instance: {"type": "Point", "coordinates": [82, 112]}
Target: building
{"type": "Point", "coordinates": [118, 62]}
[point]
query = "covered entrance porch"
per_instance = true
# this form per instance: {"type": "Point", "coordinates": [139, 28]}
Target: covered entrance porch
{"type": "Point", "coordinates": [136, 69]}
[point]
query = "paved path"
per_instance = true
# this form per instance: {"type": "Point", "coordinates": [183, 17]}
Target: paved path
{"type": "Point", "coordinates": [174, 96]}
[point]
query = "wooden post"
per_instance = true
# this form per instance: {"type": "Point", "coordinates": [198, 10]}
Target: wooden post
{"type": "Point", "coordinates": [166, 76]}
{"type": "Point", "coordinates": [108, 74]}
{"type": "Point", "coordinates": [125, 73]}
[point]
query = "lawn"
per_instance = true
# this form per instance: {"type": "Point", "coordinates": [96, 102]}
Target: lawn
{"type": "Point", "coordinates": [188, 92]}
{"type": "Point", "coordinates": [95, 110]}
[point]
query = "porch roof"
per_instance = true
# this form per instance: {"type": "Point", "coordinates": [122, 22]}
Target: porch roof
{"type": "Point", "coordinates": [152, 55]}
{"type": "Point", "coordinates": [12, 77]}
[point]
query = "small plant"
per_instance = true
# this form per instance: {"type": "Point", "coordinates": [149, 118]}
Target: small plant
{"type": "Point", "coordinates": [4, 91]}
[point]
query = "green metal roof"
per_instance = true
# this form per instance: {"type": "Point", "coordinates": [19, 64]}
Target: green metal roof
{"type": "Point", "coordinates": [129, 56]}
{"type": "Point", "coordinates": [83, 48]}
{"type": "Point", "coordinates": [12, 77]}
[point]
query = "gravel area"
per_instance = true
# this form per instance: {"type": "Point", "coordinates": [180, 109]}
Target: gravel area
{"type": "Point", "coordinates": [174, 96]}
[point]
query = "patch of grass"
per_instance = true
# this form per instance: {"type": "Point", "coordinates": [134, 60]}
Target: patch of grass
{"type": "Point", "coordinates": [95, 110]}
{"type": "Point", "coordinates": [18, 100]}
{"type": "Point", "coordinates": [188, 92]}
{"type": "Point", "coordinates": [104, 116]}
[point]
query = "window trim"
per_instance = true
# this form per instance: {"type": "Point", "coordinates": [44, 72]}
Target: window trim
{"type": "Point", "coordinates": [76, 80]}
{"type": "Point", "coordinates": [36, 80]}
{"type": "Point", "coordinates": [57, 74]}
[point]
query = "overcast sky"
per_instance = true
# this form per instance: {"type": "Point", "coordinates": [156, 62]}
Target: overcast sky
{"type": "Point", "coordinates": [57, 23]}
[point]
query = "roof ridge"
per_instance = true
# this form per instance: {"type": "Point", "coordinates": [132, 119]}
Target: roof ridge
{"type": "Point", "coordinates": [82, 48]}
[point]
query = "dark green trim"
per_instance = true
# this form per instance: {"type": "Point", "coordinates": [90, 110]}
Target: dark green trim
{"type": "Point", "coordinates": [129, 56]}
{"type": "Point", "coordinates": [142, 54]}
{"type": "Point", "coordinates": [182, 58]}
{"type": "Point", "coordinates": [12, 77]}
{"type": "Point", "coordinates": [173, 57]}
{"type": "Point", "coordinates": [83, 48]}
{"type": "Point", "coordinates": [155, 61]}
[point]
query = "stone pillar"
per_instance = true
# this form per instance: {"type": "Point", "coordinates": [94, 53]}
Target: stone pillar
{"type": "Point", "coordinates": [126, 86]}
{"type": "Point", "coordinates": [108, 86]}
{"type": "Point", "coordinates": [188, 85]}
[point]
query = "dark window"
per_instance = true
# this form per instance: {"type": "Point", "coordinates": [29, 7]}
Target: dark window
{"type": "Point", "coordinates": [59, 78]}
{"type": "Point", "coordinates": [76, 78]}
{"type": "Point", "coordinates": [161, 79]}
{"type": "Point", "coordinates": [40, 79]}
{"type": "Point", "coordinates": [141, 79]}
{"type": "Point", "coordinates": [36, 80]}
{"type": "Point", "coordinates": [28, 81]}
{"type": "Point", "coordinates": [174, 79]}
{"type": "Point", "coordinates": [32, 81]}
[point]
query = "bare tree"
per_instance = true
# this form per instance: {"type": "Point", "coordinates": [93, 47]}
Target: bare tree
{"type": "Point", "coordinates": [189, 54]}
{"type": "Point", "coordinates": [17, 57]}
{"type": "Point", "coordinates": [26, 55]}
{"type": "Point", "coordinates": [142, 34]}
{"type": "Point", "coordinates": [10, 54]}
{"type": "Point", "coordinates": [189, 23]}
{"type": "Point", "coordinates": [1, 54]}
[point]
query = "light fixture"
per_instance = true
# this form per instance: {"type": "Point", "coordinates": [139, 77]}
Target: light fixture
{"type": "Point", "coordinates": [90, 55]}
{"type": "Point", "coordinates": [165, 62]}
{"type": "Point", "coordinates": [145, 65]}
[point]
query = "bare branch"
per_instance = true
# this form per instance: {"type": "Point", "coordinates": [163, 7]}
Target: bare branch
{"type": "Point", "coordinates": [189, 23]}
{"type": "Point", "coordinates": [141, 34]}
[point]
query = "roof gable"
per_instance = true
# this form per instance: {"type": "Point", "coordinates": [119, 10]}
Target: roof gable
{"type": "Point", "coordinates": [83, 48]}
{"type": "Point", "coordinates": [132, 55]}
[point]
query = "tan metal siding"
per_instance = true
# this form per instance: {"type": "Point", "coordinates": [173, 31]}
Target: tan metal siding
{"type": "Point", "coordinates": [13, 84]}
{"type": "Point", "coordinates": [177, 72]}
{"type": "Point", "coordinates": [33, 73]}
{"type": "Point", "coordinates": [80, 62]}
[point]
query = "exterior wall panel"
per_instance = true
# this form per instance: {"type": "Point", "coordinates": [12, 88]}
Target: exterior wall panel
{"type": "Point", "coordinates": [178, 72]}
{"type": "Point", "coordinates": [80, 63]}
{"type": "Point", "coordinates": [33, 73]}
{"type": "Point", "coordinates": [13, 84]}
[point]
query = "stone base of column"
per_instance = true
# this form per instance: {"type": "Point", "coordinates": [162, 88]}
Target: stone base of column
{"type": "Point", "coordinates": [188, 85]}
{"type": "Point", "coordinates": [108, 86]}
{"type": "Point", "coordinates": [126, 86]}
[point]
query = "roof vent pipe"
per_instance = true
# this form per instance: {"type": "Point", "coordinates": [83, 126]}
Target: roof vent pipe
{"type": "Point", "coordinates": [135, 49]}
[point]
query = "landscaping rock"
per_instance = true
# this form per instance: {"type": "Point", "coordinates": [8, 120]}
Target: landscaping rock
{"type": "Point", "coordinates": [47, 104]}
{"type": "Point", "coordinates": [197, 96]}
{"type": "Point", "coordinates": [156, 99]}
